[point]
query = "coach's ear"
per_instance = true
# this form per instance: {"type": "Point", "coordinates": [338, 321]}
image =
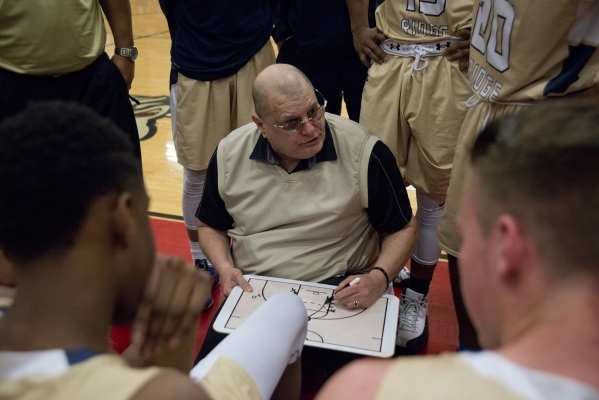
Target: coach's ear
{"type": "Point", "coordinates": [258, 121]}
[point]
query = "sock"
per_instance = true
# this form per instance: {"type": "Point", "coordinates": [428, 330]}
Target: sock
{"type": "Point", "coordinates": [196, 252]}
{"type": "Point", "coordinates": [419, 285]}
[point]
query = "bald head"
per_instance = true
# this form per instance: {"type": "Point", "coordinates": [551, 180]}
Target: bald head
{"type": "Point", "coordinates": [279, 79]}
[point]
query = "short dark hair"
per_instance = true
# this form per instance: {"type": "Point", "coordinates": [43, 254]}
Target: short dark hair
{"type": "Point", "coordinates": [56, 159]}
{"type": "Point", "coordinates": [542, 167]}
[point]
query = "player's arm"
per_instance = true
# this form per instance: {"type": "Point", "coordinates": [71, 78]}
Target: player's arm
{"type": "Point", "coordinates": [118, 15]}
{"type": "Point", "coordinates": [460, 51]}
{"type": "Point", "coordinates": [359, 380]}
{"type": "Point", "coordinates": [214, 222]}
{"type": "Point", "coordinates": [390, 214]}
{"type": "Point", "coordinates": [366, 39]}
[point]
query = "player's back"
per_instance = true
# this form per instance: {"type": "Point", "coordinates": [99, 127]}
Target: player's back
{"type": "Point", "coordinates": [529, 49]}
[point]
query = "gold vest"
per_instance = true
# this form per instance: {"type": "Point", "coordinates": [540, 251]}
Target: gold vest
{"type": "Point", "coordinates": [309, 225]}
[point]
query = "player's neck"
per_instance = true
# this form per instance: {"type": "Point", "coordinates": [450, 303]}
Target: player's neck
{"type": "Point", "coordinates": [53, 310]}
{"type": "Point", "coordinates": [564, 339]}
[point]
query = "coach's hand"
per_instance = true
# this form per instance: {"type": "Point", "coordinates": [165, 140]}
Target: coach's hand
{"type": "Point", "coordinates": [363, 293]}
{"type": "Point", "coordinates": [459, 51]}
{"type": "Point", "coordinates": [173, 301]}
{"type": "Point", "coordinates": [231, 277]}
{"type": "Point", "coordinates": [127, 68]}
{"type": "Point", "coordinates": [367, 44]}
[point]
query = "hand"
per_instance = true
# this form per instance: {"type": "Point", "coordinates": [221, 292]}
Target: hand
{"type": "Point", "coordinates": [459, 51]}
{"type": "Point", "coordinates": [173, 301]}
{"type": "Point", "coordinates": [127, 68]}
{"type": "Point", "coordinates": [231, 277]}
{"type": "Point", "coordinates": [365, 292]}
{"type": "Point", "coordinates": [367, 44]}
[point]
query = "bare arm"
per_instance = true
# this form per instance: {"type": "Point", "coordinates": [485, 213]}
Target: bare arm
{"type": "Point", "coordinates": [366, 39]}
{"type": "Point", "coordinates": [396, 249]}
{"type": "Point", "coordinates": [215, 245]}
{"type": "Point", "coordinates": [118, 15]}
{"type": "Point", "coordinates": [359, 380]}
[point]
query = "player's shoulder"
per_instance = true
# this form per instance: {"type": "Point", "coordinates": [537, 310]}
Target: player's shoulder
{"type": "Point", "coordinates": [170, 384]}
{"type": "Point", "coordinates": [359, 380]}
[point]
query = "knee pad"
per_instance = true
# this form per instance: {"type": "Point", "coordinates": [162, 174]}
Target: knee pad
{"type": "Point", "coordinates": [428, 215]}
{"type": "Point", "coordinates": [193, 188]}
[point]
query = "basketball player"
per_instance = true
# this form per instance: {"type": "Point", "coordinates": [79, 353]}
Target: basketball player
{"type": "Point", "coordinates": [522, 51]}
{"type": "Point", "coordinates": [218, 49]}
{"type": "Point", "coordinates": [415, 101]}
{"type": "Point", "coordinates": [530, 258]}
{"type": "Point", "coordinates": [97, 267]}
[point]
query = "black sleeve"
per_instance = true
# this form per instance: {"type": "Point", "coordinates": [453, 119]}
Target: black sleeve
{"type": "Point", "coordinates": [388, 203]}
{"type": "Point", "coordinates": [212, 210]}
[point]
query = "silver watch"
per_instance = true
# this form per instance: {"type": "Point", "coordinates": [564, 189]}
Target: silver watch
{"type": "Point", "coordinates": [127, 52]}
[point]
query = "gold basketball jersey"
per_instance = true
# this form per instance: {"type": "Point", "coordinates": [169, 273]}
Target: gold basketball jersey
{"type": "Point", "coordinates": [525, 50]}
{"type": "Point", "coordinates": [420, 21]}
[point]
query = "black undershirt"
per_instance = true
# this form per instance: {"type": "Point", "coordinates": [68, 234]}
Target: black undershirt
{"type": "Point", "coordinates": [389, 207]}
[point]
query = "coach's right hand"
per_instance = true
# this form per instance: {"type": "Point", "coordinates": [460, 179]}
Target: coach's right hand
{"type": "Point", "coordinates": [231, 277]}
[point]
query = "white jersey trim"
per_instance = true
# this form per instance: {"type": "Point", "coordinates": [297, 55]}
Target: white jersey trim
{"type": "Point", "coordinates": [526, 382]}
{"type": "Point", "coordinates": [20, 364]}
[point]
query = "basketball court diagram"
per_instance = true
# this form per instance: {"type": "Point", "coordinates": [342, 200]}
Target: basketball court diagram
{"type": "Point", "coordinates": [330, 324]}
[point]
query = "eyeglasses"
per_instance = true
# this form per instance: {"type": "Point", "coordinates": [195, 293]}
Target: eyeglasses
{"type": "Point", "coordinates": [290, 127]}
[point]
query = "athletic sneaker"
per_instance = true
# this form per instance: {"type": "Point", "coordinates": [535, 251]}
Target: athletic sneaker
{"type": "Point", "coordinates": [202, 264]}
{"type": "Point", "coordinates": [403, 278]}
{"type": "Point", "coordinates": [412, 331]}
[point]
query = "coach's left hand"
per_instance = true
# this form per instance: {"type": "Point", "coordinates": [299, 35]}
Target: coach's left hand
{"type": "Point", "coordinates": [364, 293]}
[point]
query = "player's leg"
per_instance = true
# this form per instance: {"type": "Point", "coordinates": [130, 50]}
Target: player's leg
{"type": "Point", "coordinates": [448, 234]}
{"type": "Point", "coordinates": [202, 117]}
{"type": "Point", "coordinates": [435, 109]}
{"type": "Point", "coordinates": [353, 74]}
{"type": "Point", "coordinates": [267, 343]}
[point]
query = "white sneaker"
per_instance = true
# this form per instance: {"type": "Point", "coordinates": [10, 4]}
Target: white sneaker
{"type": "Point", "coordinates": [402, 278]}
{"type": "Point", "coordinates": [412, 331]}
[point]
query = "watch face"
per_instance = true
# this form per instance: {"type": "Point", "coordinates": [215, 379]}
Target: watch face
{"type": "Point", "coordinates": [133, 53]}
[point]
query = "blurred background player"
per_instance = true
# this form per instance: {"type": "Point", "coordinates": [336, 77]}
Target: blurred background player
{"type": "Point", "coordinates": [315, 36]}
{"type": "Point", "coordinates": [521, 52]}
{"type": "Point", "coordinates": [218, 49]}
{"type": "Point", "coordinates": [54, 50]}
{"type": "Point", "coordinates": [415, 101]}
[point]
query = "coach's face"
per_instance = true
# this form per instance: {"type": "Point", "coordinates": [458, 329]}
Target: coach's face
{"type": "Point", "coordinates": [477, 280]}
{"type": "Point", "coordinates": [287, 110]}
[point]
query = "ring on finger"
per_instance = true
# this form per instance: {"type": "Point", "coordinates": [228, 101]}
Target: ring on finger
{"type": "Point", "coordinates": [355, 303]}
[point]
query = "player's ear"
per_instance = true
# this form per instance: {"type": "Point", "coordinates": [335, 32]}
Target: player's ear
{"type": "Point", "coordinates": [123, 220]}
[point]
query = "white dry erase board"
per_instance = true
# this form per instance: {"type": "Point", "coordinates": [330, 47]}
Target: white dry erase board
{"type": "Point", "coordinates": [334, 326]}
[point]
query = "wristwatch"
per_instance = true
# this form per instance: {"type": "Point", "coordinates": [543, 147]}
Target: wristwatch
{"type": "Point", "coordinates": [127, 52]}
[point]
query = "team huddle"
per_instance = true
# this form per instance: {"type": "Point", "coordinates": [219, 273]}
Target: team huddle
{"type": "Point", "coordinates": [489, 109]}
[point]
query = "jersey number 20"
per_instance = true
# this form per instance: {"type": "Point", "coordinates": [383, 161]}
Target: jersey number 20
{"type": "Point", "coordinates": [497, 47]}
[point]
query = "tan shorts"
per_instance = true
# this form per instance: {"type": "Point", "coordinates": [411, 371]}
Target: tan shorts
{"type": "Point", "coordinates": [208, 110]}
{"type": "Point", "coordinates": [418, 116]}
{"type": "Point", "coordinates": [477, 118]}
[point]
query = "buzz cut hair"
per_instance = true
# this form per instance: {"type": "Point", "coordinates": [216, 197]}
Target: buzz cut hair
{"type": "Point", "coordinates": [56, 159]}
{"type": "Point", "coordinates": [542, 167]}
